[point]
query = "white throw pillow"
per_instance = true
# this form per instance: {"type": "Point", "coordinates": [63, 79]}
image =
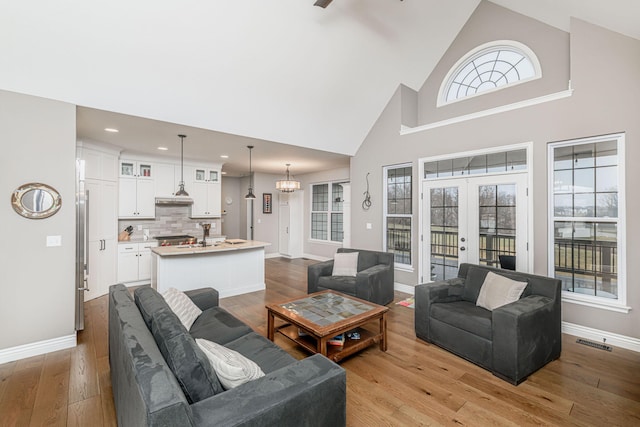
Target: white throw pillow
{"type": "Point", "coordinates": [498, 290]}
{"type": "Point", "coordinates": [232, 368]}
{"type": "Point", "coordinates": [186, 310]}
{"type": "Point", "coordinates": [345, 264]}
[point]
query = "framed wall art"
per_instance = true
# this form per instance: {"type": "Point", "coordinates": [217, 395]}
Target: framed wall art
{"type": "Point", "coordinates": [266, 203]}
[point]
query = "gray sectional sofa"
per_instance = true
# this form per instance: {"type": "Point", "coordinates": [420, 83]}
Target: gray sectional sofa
{"type": "Point", "coordinates": [160, 377]}
{"type": "Point", "coordinates": [512, 341]}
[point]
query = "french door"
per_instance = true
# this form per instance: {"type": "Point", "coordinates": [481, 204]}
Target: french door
{"type": "Point", "coordinates": [473, 220]}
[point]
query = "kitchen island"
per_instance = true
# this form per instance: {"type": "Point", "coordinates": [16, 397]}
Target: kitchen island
{"type": "Point", "coordinates": [232, 267]}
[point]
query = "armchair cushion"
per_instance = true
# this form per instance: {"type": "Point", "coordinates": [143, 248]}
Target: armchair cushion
{"type": "Point", "coordinates": [345, 264]}
{"type": "Point", "coordinates": [344, 284]}
{"type": "Point", "coordinates": [464, 315]}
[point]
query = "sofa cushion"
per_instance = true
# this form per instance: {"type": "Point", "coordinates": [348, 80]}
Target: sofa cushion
{"type": "Point", "coordinates": [217, 325]}
{"type": "Point", "coordinates": [187, 361]}
{"type": "Point", "coordinates": [344, 284]}
{"type": "Point", "coordinates": [498, 290]}
{"type": "Point", "coordinates": [473, 283]}
{"type": "Point", "coordinates": [345, 264]}
{"type": "Point", "coordinates": [149, 301]}
{"type": "Point", "coordinates": [268, 356]}
{"type": "Point", "coordinates": [182, 306]}
{"type": "Point", "coordinates": [232, 368]}
{"type": "Point", "coordinates": [464, 315]}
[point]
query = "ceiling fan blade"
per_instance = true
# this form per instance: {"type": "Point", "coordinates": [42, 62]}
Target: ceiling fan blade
{"type": "Point", "coordinates": [322, 3]}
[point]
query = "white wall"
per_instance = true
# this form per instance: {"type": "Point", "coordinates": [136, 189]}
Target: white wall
{"type": "Point", "coordinates": [37, 287]}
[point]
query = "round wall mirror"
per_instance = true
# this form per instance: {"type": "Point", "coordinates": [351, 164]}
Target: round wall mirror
{"type": "Point", "coordinates": [36, 201]}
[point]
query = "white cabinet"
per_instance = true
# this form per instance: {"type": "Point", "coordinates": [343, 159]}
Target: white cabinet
{"type": "Point", "coordinates": [134, 262]}
{"type": "Point", "coordinates": [136, 195]}
{"type": "Point", "coordinates": [167, 178]}
{"type": "Point", "coordinates": [101, 174]}
{"type": "Point", "coordinates": [206, 193]}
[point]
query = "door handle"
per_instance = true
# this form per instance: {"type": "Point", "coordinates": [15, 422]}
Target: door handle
{"type": "Point", "coordinates": [462, 248]}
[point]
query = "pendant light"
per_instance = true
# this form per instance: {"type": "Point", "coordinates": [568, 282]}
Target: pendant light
{"type": "Point", "coordinates": [288, 185]}
{"type": "Point", "coordinates": [250, 194]}
{"type": "Point", "coordinates": [181, 191]}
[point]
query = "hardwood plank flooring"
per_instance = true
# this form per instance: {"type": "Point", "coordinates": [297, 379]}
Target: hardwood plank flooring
{"type": "Point", "coordinates": [412, 384]}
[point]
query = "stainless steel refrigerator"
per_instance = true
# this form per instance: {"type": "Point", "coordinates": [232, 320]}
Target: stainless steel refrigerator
{"type": "Point", "coordinates": [82, 247]}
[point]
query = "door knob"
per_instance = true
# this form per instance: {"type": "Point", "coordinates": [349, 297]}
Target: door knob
{"type": "Point", "coordinates": [462, 239]}
{"type": "Point", "coordinates": [462, 248]}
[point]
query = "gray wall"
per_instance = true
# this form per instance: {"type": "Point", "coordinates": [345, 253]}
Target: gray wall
{"type": "Point", "coordinates": [37, 288]}
{"type": "Point", "coordinates": [604, 72]}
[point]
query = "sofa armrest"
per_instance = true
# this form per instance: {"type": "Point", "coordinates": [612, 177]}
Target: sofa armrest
{"type": "Point", "coordinates": [315, 271]}
{"type": "Point", "coordinates": [375, 284]}
{"type": "Point", "coordinates": [430, 293]}
{"type": "Point", "coordinates": [309, 392]}
{"type": "Point", "coordinates": [527, 334]}
{"type": "Point", "coordinates": [204, 298]}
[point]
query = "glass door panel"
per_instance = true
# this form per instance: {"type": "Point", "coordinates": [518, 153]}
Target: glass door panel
{"type": "Point", "coordinates": [444, 217]}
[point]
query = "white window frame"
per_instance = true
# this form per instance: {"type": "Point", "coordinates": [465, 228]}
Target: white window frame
{"type": "Point", "coordinates": [479, 51]}
{"type": "Point", "coordinates": [619, 305]}
{"type": "Point", "coordinates": [385, 214]}
{"type": "Point", "coordinates": [328, 212]}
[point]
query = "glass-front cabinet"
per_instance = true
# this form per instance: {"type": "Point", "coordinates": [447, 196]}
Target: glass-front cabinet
{"type": "Point", "coordinates": [135, 169]}
{"type": "Point", "coordinates": [206, 175]}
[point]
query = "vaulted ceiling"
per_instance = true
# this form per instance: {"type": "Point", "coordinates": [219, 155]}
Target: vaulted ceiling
{"type": "Point", "coordinates": [280, 71]}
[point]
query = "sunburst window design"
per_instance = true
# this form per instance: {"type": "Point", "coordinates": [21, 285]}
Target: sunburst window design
{"type": "Point", "coordinates": [489, 67]}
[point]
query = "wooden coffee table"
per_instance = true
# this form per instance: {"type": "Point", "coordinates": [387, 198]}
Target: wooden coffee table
{"type": "Point", "coordinates": [313, 320]}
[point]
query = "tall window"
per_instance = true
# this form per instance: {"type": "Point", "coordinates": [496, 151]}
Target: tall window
{"type": "Point", "coordinates": [488, 67]}
{"type": "Point", "coordinates": [397, 213]}
{"type": "Point", "coordinates": [327, 202]}
{"type": "Point", "coordinates": [586, 213]}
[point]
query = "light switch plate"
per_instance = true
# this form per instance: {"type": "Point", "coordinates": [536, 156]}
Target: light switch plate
{"type": "Point", "coordinates": [369, 226]}
{"type": "Point", "coordinates": [54, 240]}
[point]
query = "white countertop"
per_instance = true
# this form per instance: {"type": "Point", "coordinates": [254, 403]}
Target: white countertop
{"type": "Point", "coordinates": [225, 246]}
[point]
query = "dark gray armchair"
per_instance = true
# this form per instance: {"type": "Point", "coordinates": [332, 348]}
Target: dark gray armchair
{"type": "Point", "coordinates": [512, 341]}
{"type": "Point", "coordinates": [373, 282]}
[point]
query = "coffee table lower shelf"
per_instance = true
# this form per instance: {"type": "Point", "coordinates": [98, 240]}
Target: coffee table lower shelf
{"type": "Point", "coordinates": [334, 352]}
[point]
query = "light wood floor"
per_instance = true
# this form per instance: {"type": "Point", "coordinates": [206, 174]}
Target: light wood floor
{"type": "Point", "coordinates": [413, 383]}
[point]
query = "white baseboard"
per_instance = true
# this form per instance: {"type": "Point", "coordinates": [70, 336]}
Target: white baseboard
{"type": "Point", "coordinates": [273, 255]}
{"type": "Point", "coordinates": [604, 337]}
{"type": "Point", "coordinates": [37, 348]}
{"type": "Point", "coordinates": [316, 257]}
{"type": "Point", "coordinates": [404, 288]}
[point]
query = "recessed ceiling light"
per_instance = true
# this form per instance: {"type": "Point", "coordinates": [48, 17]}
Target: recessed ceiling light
{"type": "Point", "coordinates": [162, 148]}
{"type": "Point", "coordinates": [112, 130]}
{"type": "Point", "coordinates": [224, 156]}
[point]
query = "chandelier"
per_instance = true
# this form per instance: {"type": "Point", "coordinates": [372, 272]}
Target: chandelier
{"type": "Point", "coordinates": [288, 185]}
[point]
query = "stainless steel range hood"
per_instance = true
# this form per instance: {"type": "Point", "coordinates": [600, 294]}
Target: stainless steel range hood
{"type": "Point", "coordinates": [176, 200]}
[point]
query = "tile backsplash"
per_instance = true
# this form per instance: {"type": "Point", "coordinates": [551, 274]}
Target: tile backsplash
{"type": "Point", "coordinates": [170, 220]}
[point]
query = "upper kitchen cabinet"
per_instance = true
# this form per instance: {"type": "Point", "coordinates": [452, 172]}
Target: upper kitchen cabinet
{"type": "Point", "coordinates": [206, 175]}
{"type": "Point", "coordinates": [166, 178]}
{"type": "Point", "coordinates": [136, 193]}
{"type": "Point", "coordinates": [206, 193]}
{"type": "Point", "coordinates": [136, 169]}
{"type": "Point", "coordinates": [100, 165]}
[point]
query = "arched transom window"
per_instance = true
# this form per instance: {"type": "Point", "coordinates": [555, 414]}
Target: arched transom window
{"type": "Point", "coordinates": [489, 67]}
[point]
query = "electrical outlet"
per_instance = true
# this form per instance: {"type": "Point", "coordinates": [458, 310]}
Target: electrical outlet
{"type": "Point", "coordinates": [213, 225]}
{"type": "Point", "coordinates": [54, 241]}
{"type": "Point", "coordinates": [139, 227]}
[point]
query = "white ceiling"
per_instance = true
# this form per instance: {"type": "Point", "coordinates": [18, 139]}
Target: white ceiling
{"type": "Point", "coordinates": [281, 71]}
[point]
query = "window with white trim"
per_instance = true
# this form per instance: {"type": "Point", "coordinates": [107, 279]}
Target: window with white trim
{"type": "Point", "coordinates": [398, 213]}
{"type": "Point", "coordinates": [586, 215]}
{"type": "Point", "coordinates": [327, 201]}
{"type": "Point", "coordinates": [489, 67]}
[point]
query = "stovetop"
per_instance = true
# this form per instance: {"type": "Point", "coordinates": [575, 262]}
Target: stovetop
{"type": "Point", "coordinates": [174, 240]}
